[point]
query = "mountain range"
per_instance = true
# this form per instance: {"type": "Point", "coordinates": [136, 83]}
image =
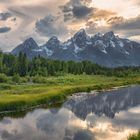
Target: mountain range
{"type": "Point", "coordinates": [104, 49]}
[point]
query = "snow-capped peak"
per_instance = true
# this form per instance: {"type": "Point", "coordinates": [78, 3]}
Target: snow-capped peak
{"type": "Point", "coordinates": [81, 34]}
{"type": "Point", "coordinates": [53, 39]}
{"type": "Point", "coordinates": [53, 43]}
{"type": "Point", "coordinates": [81, 31]}
{"type": "Point", "coordinates": [109, 35]}
{"type": "Point", "coordinates": [107, 49]}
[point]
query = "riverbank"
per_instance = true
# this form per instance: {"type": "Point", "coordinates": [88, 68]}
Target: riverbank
{"type": "Point", "coordinates": [55, 90]}
{"type": "Point", "coordinates": [134, 136]}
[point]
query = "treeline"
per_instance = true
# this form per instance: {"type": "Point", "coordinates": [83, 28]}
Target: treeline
{"type": "Point", "coordinates": [11, 65]}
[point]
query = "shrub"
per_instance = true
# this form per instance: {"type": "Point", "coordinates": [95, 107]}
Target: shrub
{"type": "Point", "coordinates": [3, 78]}
{"type": "Point", "coordinates": [39, 79]}
{"type": "Point", "coordinates": [24, 80]}
{"type": "Point", "coordinates": [16, 78]}
{"type": "Point", "coordinates": [5, 87]}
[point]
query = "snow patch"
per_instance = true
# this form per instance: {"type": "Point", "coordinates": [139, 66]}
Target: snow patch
{"type": "Point", "coordinates": [89, 43]}
{"type": "Point", "coordinates": [112, 44]}
{"type": "Point", "coordinates": [126, 52]}
{"type": "Point", "coordinates": [64, 47]}
{"type": "Point", "coordinates": [48, 52]}
{"type": "Point", "coordinates": [77, 49]}
{"type": "Point", "coordinates": [68, 43]}
{"type": "Point", "coordinates": [121, 44]}
{"type": "Point", "coordinates": [37, 50]}
{"type": "Point", "coordinates": [128, 41]}
{"type": "Point", "coordinates": [100, 43]}
{"type": "Point", "coordinates": [104, 51]}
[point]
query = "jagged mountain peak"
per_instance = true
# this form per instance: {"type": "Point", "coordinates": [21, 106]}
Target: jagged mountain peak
{"type": "Point", "coordinates": [29, 40]}
{"type": "Point", "coordinates": [53, 40]}
{"type": "Point", "coordinates": [105, 49]}
{"type": "Point", "coordinates": [109, 35]}
{"type": "Point", "coordinates": [81, 38]}
{"type": "Point", "coordinates": [53, 43]}
{"type": "Point", "coordinates": [81, 31]}
{"type": "Point", "coordinates": [81, 34]}
{"type": "Point", "coordinates": [26, 47]}
{"type": "Point", "coordinates": [29, 43]}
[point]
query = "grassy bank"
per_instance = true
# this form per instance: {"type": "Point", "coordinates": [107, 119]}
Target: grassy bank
{"type": "Point", "coordinates": [55, 90]}
{"type": "Point", "coordinates": [135, 136]}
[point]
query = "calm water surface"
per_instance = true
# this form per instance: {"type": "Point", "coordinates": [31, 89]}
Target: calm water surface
{"type": "Point", "coordinates": [110, 115]}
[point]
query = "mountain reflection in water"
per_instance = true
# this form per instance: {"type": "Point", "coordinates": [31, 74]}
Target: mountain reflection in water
{"type": "Point", "coordinates": [110, 115]}
{"type": "Point", "coordinates": [107, 103]}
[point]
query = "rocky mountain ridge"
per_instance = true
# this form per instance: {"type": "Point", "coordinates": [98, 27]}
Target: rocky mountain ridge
{"type": "Point", "coordinates": [105, 49]}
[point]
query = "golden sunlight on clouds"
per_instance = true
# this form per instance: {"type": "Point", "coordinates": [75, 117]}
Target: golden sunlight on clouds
{"type": "Point", "coordinates": [136, 38]}
{"type": "Point", "coordinates": [29, 2]}
{"type": "Point", "coordinates": [102, 128]}
{"type": "Point", "coordinates": [121, 7]}
{"type": "Point", "coordinates": [75, 26]}
{"type": "Point", "coordinates": [37, 2]}
{"type": "Point", "coordinates": [2, 8]}
{"type": "Point", "coordinates": [101, 23]}
{"type": "Point", "coordinates": [63, 18]}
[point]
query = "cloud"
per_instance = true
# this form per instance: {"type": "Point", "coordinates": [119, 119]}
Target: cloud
{"type": "Point", "coordinates": [5, 16]}
{"type": "Point", "coordinates": [81, 11]}
{"type": "Point", "coordinates": [6, 135]}
{"type": "Point", "coordinates": [102, 14]}
{"type": "Point", "coordinates": [51, 26]}
{"type": "Point", "coordinates": [115, 20]}
{"type": "Point", "coordinates": [126, 27]}
{"type": "Point", "coordinates": [83, 135]}
{"type": "Point", "coordinates": [78, 9]}
{"type": "Point", "coordinates": [31, 17]}
{"type": "Point", "coordinates": [4, 29]}
{"type": "Point", "coordinates": [128, 24]}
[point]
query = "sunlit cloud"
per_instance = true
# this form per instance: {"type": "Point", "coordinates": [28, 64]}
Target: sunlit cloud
{"type": "Point", "coordinates": [121, 16]}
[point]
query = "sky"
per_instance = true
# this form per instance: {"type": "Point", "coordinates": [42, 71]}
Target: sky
{"type": "Point", "coordinates": [42, 19]}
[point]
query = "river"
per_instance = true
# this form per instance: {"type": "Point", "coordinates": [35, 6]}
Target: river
{"type": "Point", "coordinates": [109, 115]}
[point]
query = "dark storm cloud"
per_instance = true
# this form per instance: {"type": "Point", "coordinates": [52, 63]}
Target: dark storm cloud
{"type": "Point", "coordinates": [50, 26]}
{"type": "Point", "coordinates": [81, 11]}
{"type": "Point", "coordinates": [77, 9]}
{"type": "Point", "coordinates": [129, 24]}
{"type": "Point", "coordinates": [4, 29]}
{"type": "Point", "coordinates": [83, 135]}
{"type": "Point", "coordinates": [5, 16]}
{"type": "Point", "coordinates": [79, 135]}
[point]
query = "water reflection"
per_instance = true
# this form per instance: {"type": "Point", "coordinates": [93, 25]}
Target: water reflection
{"type": "Point", "coordinates": [109, 116]}
{"type": "Point", "coordinates": [107, 103]}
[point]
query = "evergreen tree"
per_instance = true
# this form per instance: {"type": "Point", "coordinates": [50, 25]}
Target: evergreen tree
{"type": "Point", "coordinates": [22, 64]}
{"type": "Point", "coordinates": [1, 59]}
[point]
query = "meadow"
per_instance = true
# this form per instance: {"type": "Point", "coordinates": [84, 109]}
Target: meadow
{"type": "Point", "coordinates": [54, 90]}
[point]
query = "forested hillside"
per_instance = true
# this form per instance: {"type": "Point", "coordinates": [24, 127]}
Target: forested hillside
{"type": "Point", "coordinates": [11, 65]}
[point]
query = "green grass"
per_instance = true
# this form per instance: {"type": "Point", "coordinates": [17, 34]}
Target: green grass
{"type": "Point", "coordinates": [55, 90]}
{"type": "Point", "coordinates": [135, 136]}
